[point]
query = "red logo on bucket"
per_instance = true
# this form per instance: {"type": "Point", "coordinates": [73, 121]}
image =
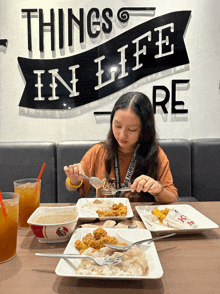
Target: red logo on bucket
{"type": "Point", "coordinates": [62, 231]}
{"type": "Point", "coordinates": [38, 231]}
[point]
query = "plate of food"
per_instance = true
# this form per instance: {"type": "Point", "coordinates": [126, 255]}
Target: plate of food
{"type": "Point", "coordinates": [181, 218]}
{"type": "Point", "coordinates": [139, 262]}
{"type": "Point", "coordinates": [118, 208]}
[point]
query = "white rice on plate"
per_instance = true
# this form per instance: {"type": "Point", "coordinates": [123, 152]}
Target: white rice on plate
{"type": "Point", "coordinates": [134, 263]}
{"type": "Point", "coordinates": [103, 205]}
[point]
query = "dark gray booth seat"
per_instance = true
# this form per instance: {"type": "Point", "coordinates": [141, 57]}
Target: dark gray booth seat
{"type": "Point", "coordinates": [206, 169]}
{"type": "Point", "coordinates": [20, 160]}
{"type": "Point", "coordinates": [69, 152]}
{"type": "Point", "coordinates": [178, 153]}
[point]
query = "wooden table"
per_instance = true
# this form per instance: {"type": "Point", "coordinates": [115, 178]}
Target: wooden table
{"type": "Point", "coordinates": [191, 264]}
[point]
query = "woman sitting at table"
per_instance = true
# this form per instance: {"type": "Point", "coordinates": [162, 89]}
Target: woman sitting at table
{"type": "Point", "coordinates": [130, 156]}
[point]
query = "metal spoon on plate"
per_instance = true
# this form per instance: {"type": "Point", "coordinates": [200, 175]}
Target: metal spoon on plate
{"type": "Point", "coordinates": [125, 248]}
{"type": "Point", "coordinates": [95, 182]}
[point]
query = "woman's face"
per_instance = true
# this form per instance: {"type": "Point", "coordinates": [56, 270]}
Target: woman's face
{"type": "Point", "coordinates": [126, 127]}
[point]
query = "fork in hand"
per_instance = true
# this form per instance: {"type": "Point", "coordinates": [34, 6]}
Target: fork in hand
{"type": "Point", "coordinates": [125, 248]}
{"type": "Point", "coordinates": [99, 260]}
{"type": "Point", "coordinates": [112, 191]}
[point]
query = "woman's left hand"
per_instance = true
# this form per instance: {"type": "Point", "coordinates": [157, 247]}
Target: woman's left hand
{"type": "Point", "coordinates": [146, 184]}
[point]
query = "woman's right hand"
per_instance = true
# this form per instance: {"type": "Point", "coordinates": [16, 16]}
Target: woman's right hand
{"type": "Point", "coordinates": [73, 171]}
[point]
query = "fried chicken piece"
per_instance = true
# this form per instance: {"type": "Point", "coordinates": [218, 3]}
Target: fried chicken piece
{"type": "Point", "coordinates": [96, 241]}
{"type": "Point", "coordinates": [117, 210]}
{"type": "Point", "coordinates": [165, 211]}
{"type": "Point", "coordinates": [81, 246]}
{"type": "Point", "coordinates": [122, 244]}
{"type": "Point", "coordinates": [160, 214]}
{"type": "Point", "coordinates": [88, 242]}
{"type": "Point", "coordinates": [98, 233]}
{"type": "Point", "coordinates": [90, 236]}
{"type": "Point", "coordinates": [110, 240]}
{"type": "Point", "coordinates": [97, 201]}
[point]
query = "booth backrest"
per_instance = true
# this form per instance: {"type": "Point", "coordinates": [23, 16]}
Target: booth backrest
{"type": "Point", "coordinates": [179, 156]}
{"type": "Point", "coordinates": [206, 169]}
{"type": "Point", "coordinates": [69, 152]}
{"type": "Point", "coordinates": [178, 153]}
{"type": "Point", "coordinates": [194, 165]}
{"type": "Point", "coordinates": [21, 160]}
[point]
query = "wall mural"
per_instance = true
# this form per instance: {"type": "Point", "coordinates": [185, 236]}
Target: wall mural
{"type": "Point", "coordinates": [3, 42]}
{"type": "Point", "coordinates": [151, 47]}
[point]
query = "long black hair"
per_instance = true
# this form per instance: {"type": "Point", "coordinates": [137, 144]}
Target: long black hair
{"type": "Point", "coordinates": [147, 153]}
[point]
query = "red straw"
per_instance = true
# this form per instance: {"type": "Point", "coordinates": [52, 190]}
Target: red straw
{"type": "Point", "coordinates": [40, 174]}
{"type": "Point", "coordinates": [3, 206]}
{"type": "Point", "coordinates": [42, 169]}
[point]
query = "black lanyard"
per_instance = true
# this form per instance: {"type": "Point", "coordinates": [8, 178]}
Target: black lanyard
{"type": "Point", "coordinates": [129, 171]}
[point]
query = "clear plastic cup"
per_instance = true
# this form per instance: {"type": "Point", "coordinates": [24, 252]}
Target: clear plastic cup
{"type": "Point", "coordinates": [29, 191]}
{"type": "Point", "coordinates": [9, 226]}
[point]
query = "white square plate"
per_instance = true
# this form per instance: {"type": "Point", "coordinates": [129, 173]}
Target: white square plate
{"type": "Point", "coordinates": [67, 267]}
{"type": "Point", "coordinates": [90, 215]}
{"type": "Point", "coordinates": [203, 222]}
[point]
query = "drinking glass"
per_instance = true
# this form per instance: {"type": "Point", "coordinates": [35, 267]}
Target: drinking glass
{"type": "Point", "coordinates": [8, 226]}
{"type": "Point", "coordinates": [29, 191]}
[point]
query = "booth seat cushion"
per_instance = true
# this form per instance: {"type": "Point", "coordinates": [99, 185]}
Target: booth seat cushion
{"type": "Point", "coordinates": [21, 160]}
{"type": "Point", "coordinates": [69, 152]}
{"type": "Point", "coordinates": [206, 169]}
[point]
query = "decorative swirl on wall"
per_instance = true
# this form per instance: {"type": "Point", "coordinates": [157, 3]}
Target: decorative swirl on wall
{"type": "Point", "coordinates": [123, 14]}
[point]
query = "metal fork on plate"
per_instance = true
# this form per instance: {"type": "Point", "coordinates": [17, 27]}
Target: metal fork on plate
{"type": "Point", "coordinates": [99, 260]}
{"type": "Point", "coordinates": [112, 191]}
{"type": "Point", "coordinates": [125, 248]}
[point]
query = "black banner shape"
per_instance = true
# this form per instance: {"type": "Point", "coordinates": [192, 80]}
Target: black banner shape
{"type": "Point", "coordinates": [88, 85]}
{"type": "Point", "coordinates": [3, 42]}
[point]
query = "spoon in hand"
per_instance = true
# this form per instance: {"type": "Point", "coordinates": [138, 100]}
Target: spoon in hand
{"type": "Point", "coordinates": [95, 182]}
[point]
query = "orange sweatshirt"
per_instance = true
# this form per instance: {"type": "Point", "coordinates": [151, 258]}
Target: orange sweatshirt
{"type": "Point", "coordinates": [93, 163]}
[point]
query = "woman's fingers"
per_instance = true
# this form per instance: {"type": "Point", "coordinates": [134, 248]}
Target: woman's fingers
{"type": "Point", "coordinates": [67, 171]}
{"type": "Point", "coordinates": [156, 188]}
{"type": "Point", "coordinates": [73, 171]}
{"type": "Point", "coordinates": [139, 184]}
{"type": "Point", "coordinates": [78, 169]}
{"type": "Point", "coordinates": [145, 184]}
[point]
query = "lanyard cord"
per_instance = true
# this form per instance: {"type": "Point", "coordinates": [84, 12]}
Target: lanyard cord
{"type": "Point", "coordinates": [129, 171]}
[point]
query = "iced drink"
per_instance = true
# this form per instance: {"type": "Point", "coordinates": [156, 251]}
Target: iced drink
{"type": "Point", "coordinates": [29, 191]}
{"type": "Point", "coordinates": [8, 226]}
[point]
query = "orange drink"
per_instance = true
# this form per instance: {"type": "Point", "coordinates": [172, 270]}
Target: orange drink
{"type": "Point", "coordinates": [8, 226]}
{"type": "Point", "coordinates": [29, 191]}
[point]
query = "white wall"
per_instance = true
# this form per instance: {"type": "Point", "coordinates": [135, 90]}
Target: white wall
{"type": "Point", "coordinates": [201, 98]}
